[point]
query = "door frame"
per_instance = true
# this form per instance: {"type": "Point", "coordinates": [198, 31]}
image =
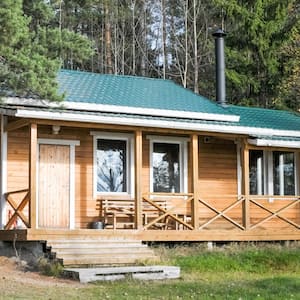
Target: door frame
{"type": "Point", "coordinates": [71, 144]}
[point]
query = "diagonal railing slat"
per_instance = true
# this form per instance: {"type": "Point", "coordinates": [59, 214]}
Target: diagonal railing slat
{"type": "Point", "coordinates": [167, 212]}
{"type": "Point", "coordinates": [275, 213]}
{"type": "Point", "coordinates": [222, 213]}
{"type": "Point", "coordinates": [18, 209]}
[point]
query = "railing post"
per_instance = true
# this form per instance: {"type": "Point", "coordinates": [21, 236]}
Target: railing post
{"type": "Point", "coordinates": [32, 174]}
{"type": "Point", "coordinates": [138, 179]}
{"type": "Point", "coordinates": [3, 172]}
{"type": "Point", "coordinates": [195, 183]}
{"type": "Point", "coordinates": [245, 185]}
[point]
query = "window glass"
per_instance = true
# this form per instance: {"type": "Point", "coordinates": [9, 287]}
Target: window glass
{"type": "Point", "coordinates": [166, 167]}
{"type": "Point", "coordinates": [111, 165]}
{"type": "Point", "coordinates": [283, 173]}
{"type": "Point", "coordinates": [256, 172]}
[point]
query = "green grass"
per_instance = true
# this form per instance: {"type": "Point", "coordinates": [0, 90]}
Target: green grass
{"type": "Point", "coordinates": [235, 272]}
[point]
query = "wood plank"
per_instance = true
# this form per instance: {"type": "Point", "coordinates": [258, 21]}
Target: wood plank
{"type": "Point", "coordinates": [195, 180]}
{"type": "Point", "coordinates": [16, 124]}
{"type": "Point", "coordinates": [245, 185]}
{"type": "Point", "coordinates": [166, 235]}
{"type": "Point", "coordinates": [138, 178]}
{"type": "Point", "coordinates": [54, 186]}
{"type": "Point", "coordinates": [32, 174]}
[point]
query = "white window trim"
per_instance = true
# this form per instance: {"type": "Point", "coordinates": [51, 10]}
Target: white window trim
{"type": "Point", "coordinates": [183, 157]}
{"type": "Point", "coordinates": [72, 144]}
{"type": "Point", "coordinates": [129, 161]}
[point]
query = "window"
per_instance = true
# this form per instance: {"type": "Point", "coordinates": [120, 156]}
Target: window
{"type": "Point", "coordinates": [272, 173]}
{"type": "Point", "coordinates": [256, 174]}
{"type": "Point", "coordinates": [113, 172]}
{"type": "Point", "coordinates": [283, 173]}
{"type": "Point", "coordinates": [168, 158]}
{"type": "Point", "coordinates": [166, 167]}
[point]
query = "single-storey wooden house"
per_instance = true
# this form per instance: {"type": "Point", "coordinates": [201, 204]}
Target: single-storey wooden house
{"type": "Point", "coordinates": [147, 159]}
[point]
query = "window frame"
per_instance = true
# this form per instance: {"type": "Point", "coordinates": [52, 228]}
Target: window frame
{"type": "Point", "coordinates": [183, 158]}
{"type": "Point", "coordinates": [128, 138]}
{"type": "Point", "coordinates": [268, 172]}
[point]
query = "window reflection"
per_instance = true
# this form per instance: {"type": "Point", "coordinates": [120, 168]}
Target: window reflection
{"type": "Point", "coordinates": [166, 168]}
{"type": "Point", "coordinates": [256, 172]}
{"type": "Point", "coordinates": [111, 165]}
{"type": "Point", "coordinates": [284, 173]}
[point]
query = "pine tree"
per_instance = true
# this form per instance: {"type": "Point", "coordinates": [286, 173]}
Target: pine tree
{"type": "Point", "coordinates": [31, 48]}
{"type": "Point", "coordinates": [256, 31]}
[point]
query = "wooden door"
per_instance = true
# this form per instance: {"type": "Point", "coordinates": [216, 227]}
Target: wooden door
{"type": "Point", "coordinates": [54, 186]}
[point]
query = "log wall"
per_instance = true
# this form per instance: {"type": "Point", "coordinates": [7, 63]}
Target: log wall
{"type": "Point", "coordinates": [217, 174]}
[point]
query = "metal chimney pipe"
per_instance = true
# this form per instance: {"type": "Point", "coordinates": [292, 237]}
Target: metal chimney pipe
{"type": "Point", "coordinates": [220, 67]}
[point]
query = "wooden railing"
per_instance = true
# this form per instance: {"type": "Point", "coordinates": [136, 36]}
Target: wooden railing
{"type": "Point", "coordinates": [167, 210]}
{"type": "Point", "coordinates": [258, 207]}
{"type": "Point", "coordinates": [223, 213]}
{"type": "Point", "coordinates": [17, 208]}
{"type": "Point", "coordinates": [292, 202]}
{"type": "Point", "coordinates": [173, 211]}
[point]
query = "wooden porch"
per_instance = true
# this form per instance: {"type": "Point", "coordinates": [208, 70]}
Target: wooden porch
{"type": "Point", "coordinates": [170, 217]}
{"type": "Point", "coordinates": [194, 216]}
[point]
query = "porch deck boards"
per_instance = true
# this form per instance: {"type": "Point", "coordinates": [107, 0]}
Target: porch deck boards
{"type": "Point", "coordinates": [155, 235]}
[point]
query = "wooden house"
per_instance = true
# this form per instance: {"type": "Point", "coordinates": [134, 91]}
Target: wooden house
{"type": "Point", "coordinates": [146, 159]}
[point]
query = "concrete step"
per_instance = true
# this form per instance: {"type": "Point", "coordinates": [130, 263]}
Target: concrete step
{"type": "Point", "coordinates": [117, 273]}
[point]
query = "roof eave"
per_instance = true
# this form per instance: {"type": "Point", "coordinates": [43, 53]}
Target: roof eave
{"type": "Point", "coordinates": [181, 125]}
{"type": "Point", "coordinates": [93, 107]}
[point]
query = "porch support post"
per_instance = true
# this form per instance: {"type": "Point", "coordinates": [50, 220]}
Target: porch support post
{"type": "Point", "coordinates": [32, 174]}
{"type": "Point", "coordinates": [138, 179]}
{"type": "Point", "coordinates": [195, 181]}
{"type": "Point", "coordinates": [245, 185]}
{"type": "Point", "coordinates": [3, 172]}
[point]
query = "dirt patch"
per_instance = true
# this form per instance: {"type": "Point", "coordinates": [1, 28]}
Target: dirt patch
{"type": "Point", "coordinates": [12, 272]}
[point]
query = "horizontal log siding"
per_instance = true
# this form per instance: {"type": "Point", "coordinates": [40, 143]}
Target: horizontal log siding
{"type": "Point", "coordinates": [146, 165]}
{"type": "Point", "coordinates": [218, 171]}
{"type": "Point", "coordinates": [17, 160]}
{"type": "Point", "coordinates": [217, 175]}
{"type": "Point", "coordinates": [218, 179]}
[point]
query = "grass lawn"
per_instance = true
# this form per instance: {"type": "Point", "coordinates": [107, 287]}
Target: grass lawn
{"type": "Point", "coordinates": [232, 272]}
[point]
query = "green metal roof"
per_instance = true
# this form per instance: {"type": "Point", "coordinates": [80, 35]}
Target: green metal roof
{"type": "Point", "coordinates": [266, 118]}
{"type": "Point", "coordinates": [133, 91]}
{"type": "Point", "coordinates": [141, 92]}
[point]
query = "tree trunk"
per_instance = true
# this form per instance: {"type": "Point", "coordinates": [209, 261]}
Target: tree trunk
{"type": "Point", "coordinates": [196, 72]}
{"type": "Point", "coordinates": [163, 37]}
{"type": "Point", "coordinates": [109, 68]}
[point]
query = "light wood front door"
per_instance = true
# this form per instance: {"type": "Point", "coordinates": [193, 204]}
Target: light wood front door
{"type": "Point", "coordinates": [54, 186]}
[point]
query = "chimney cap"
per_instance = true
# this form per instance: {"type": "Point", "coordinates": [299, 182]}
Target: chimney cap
{"type": "Point", "coordinates": [219, 33]}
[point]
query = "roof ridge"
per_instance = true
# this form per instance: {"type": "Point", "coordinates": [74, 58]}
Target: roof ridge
{"type": "Point", "coordinates": [115, 75]}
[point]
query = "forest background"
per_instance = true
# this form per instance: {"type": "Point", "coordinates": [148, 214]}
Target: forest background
{"type": "Point", "coordinates": [169, 39]}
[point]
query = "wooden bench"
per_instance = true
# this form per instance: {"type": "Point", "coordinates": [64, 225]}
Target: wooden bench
{"type": "Point", "coordinates": [150, 212]}
{"type": "Point", "coordinates": [118, 213]}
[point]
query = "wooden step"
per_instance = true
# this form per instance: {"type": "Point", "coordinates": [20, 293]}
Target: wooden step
{"type": "Point", "coordinates": [105, 261]}
{"type": "Point", "coordinates": [104, 251]}
{"type": "Point", "coordinates": [100, 252]}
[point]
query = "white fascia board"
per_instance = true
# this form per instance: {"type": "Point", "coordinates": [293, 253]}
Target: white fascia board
{"type": "Point", "coordinates": [83, 106]}
{"type": "Point", "coordinates": [274, 143]}
{"type": "Point", "coordinates": [151, 111]}
{"type": "Point", "coordinates": [46, 115]}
